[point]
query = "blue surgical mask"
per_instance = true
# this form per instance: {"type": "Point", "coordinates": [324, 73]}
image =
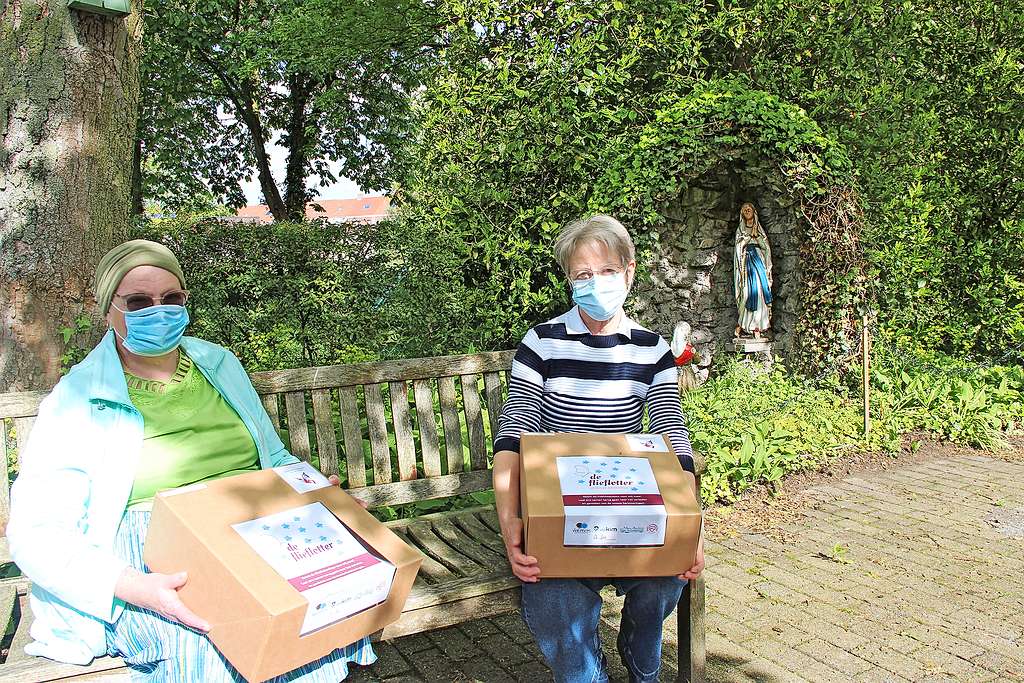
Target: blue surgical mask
{"type": "Point", "coordinates": [601, 296]}
{"type": "Point", "coordinates": [154, 330]}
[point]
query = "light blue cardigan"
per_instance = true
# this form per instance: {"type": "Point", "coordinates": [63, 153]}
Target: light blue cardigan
{"type": "Point", "coordinates": [76, 475]}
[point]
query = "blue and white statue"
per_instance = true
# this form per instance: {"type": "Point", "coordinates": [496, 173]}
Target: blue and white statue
{"type": "Point", "coordinates": [752, 275]}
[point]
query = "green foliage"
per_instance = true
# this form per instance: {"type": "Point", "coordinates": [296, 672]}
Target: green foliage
{"type": "Point", "coordinates": [289, 295]}
{"type": "Point", "coordinates": [541, 112]}
{"type": "Point", "coordinates": [971, 406]}
{"type": "Point", "coordinates": [927, 99]}
{"type": "Point", "coordinates": [755, 426]}
{"type": "Point", "coordinates": [73, 338]}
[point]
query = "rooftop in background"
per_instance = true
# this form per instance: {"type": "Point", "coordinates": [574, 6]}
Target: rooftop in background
{"type": "Point", "coordinates": [371, 209]}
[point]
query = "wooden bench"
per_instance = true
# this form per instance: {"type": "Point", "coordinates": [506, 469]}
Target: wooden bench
{"type": "Point", "coordinates": [397, 433]}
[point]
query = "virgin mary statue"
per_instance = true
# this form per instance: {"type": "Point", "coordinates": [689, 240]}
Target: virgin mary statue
{"type": "Point", "coordinates": [752, 275]}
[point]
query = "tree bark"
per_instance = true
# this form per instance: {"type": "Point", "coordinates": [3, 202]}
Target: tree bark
{"type": "Point", "coordinates": [138, 202]}
{"type": "Point", "coordinates": [252, 121]}
{"type": "Point", "coordinates": [295, 194]}
{"type": "Point", "coordinates": [69, 89]}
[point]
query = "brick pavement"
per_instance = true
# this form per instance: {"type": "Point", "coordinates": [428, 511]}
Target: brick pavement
{"type": "Point", "coordinates": [910, 574]}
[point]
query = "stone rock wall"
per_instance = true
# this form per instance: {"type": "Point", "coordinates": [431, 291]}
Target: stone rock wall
{"type": "Point", "coordinates": [690, 277]}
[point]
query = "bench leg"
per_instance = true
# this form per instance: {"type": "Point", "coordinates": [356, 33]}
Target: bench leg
{"type": "Point", "coordinates": [690, 620]}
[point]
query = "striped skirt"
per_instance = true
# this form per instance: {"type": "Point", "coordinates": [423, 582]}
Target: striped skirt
{"type": "Point", "coordinates": [160, 650]}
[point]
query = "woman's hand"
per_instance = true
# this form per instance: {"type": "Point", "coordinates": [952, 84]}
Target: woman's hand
{"type": "Point", "coordinates": [158, 593]}
{"type": "Point", "coordinates": [335, 481]}
{"type": "Point", "coordinates": [523, 566]}
{"type": "Point", "coordinates": [698, 563]}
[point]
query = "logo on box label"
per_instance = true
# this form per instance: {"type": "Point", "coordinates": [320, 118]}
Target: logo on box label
{"type": "Point", "coordinates": [302, 477]}
{"type": "Point", "coordinates": [653, 443]}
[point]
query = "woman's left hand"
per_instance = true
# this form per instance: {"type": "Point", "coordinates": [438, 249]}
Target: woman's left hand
{"type": "Point", "coordinates": [698, 564]}
{"type": "Point", "coordinates": [336, 481]}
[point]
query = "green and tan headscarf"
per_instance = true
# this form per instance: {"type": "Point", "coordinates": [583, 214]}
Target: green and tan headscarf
{"type": "Point", "coordinates": [122, 258]}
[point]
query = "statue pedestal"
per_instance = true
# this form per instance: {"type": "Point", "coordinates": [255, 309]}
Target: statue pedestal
{"type": "Point", "coordinates": [759, 351]}
{"type": "Point", "coordinates": [750, 345]}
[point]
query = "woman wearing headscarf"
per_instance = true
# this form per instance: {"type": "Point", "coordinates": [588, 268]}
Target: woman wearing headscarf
{"type": "Point", "coordinates": [148, 409]}
{"type": "Point", "coordinates": [591, 369]}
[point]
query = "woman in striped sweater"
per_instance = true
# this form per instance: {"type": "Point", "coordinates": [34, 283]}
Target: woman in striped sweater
{"type": "Point", "coordinates": [590, 370]}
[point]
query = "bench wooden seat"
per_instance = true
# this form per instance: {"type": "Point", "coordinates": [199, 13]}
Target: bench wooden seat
{"type": "Point", "coordinates": [397, 433]}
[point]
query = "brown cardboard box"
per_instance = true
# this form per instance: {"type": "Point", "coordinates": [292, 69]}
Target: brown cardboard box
{"type": "Point", "coordinates": [255, 613]}
{"type": "Point", "coordinates": [544, 512]}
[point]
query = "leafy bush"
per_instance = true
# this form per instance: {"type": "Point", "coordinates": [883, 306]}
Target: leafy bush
{"type": "Point", "coordinates": [753, 426]}
{"type": "Point", "coordinates": [285, 295]}
{"type": "Point", "coordinates": [541, 111]}
{"type": "Point", "coordinates": [966, 405]}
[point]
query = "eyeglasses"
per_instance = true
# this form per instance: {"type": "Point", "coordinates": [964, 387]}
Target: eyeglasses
{"type": "Point", "coordinates": [587, 274]}
{"type": "Point", "coordinates": [138, 301]}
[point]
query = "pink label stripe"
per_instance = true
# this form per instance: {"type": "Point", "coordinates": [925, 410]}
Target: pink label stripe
{"type": "Point", "coordinates": [614, 499]}
{"type": "Point", "coordinates": [321, 576]}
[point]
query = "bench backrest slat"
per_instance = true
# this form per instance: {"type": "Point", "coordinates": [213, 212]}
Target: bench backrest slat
{"type": "Point", "coordinates": [353, 437]}
{"type": "Point", "coordinates": [405, 445]}
{"type": "Point", "coordinates": [23, 427]}
{"type": "Point", "coordinates": [450, 419]}
{"type": "Point", "coordinates": [495, 399]}
{"type": "Point", "coordinates": [5, 484]}
{"type": "Point", "coordinates": [270, 404]}
{"type": "Point", "coordinates": [377, 423]}
{"type": "Point", "coordinates": [474, 422]}
{"type": "Point", "coordinates": [430, 446]}
{"type": "Point", "coordinates": [21, 403]}
{"type": "Point", "coordinates": [323, 427]}
{"type": "Point", "coordinates": [298, 432]}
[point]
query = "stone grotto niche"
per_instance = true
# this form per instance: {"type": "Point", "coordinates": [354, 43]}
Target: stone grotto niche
{"type": "Point", "coordinates": [691, 273]}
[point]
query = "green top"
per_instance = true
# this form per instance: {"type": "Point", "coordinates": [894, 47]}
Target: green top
{"type": "Point", "coordinates": [190, 433]}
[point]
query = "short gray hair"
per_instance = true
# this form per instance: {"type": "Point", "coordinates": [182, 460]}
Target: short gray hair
{"type": "Point", "coordinates": [597, 228]}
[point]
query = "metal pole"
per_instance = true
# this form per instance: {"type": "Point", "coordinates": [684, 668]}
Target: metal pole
{"type": "Point", "coordinates": [866, 349]}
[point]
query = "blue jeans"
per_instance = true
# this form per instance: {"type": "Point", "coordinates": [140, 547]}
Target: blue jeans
{"type": "Point", "coordinates": [563, 615]}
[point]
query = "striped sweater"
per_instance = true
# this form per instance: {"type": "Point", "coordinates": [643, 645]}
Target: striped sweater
{"type": "Point", "coordinates": [565, 379]}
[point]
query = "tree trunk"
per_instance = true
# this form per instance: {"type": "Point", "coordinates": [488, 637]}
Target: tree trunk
{"type": "Point", "coordinates": [295, 194]}
{"type": "Point", "coordinates": [69, 89]}
{"type": "Point", "coordinates": [138, 202]}
{"type": "Point", "coordinates": [252, 121]}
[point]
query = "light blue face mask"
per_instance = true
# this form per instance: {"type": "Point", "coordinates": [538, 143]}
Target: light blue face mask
{"type": "Point", "coordinates": [601, 296]}
{"type": "Point", "coordinates": [154, 330]}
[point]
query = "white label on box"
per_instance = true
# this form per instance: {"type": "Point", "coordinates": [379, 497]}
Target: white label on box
{"type": "Point", "coordinates": [321, 559]}
{"type": "Point", "coordinates": [611, 501]}
{"type": "Point", "coordinates": [655, 443]}
{"type": "Point", "coordinates": [302, 477]}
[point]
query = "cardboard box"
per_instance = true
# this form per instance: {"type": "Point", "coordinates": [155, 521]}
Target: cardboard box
{"type": "Point", "coordinates": [277, 595]}
{"type": "Point", "coordinates": [616, 505]}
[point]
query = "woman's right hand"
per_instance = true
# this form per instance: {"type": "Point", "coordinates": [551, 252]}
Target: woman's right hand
{"type": "Point", "coordinates": [158, 593]}
{"type": "Point", "coordinates": [523, 566]}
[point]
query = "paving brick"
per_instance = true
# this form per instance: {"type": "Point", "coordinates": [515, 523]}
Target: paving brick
{"type": "Point", "coordinates": [389, 661]}
{"type": "Point", "coordinates": [835, 657]}
{"type": "Point", "coordinates": [454, 644]}
{"type": "Point", "coordinates": [514, 627]}
{"type": "Point", "coordinates": [431, 665]}
{"type": "Point", "coordinates": [503, 649]}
